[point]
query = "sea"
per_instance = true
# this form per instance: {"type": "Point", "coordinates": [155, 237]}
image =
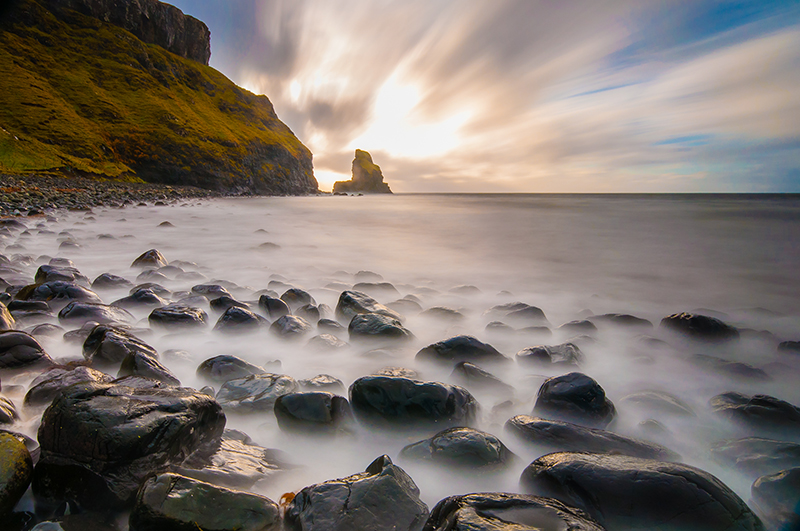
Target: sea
{"type": "Point", "coordinates": [733, 257]}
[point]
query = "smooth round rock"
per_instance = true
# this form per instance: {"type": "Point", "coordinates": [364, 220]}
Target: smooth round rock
{"type": "Point", "coordinates": [151, 258]}
{"type": "Point", "coordinates": [699, 327]}
{"type": "Point", "coordinates": [577, 398]}
{"type": "Point", "coordinates": [227, 367]}
{"type": "Point", "coordinates": [461, 348]}
{"type": "Point", "coordinates": [19, 350]}
{"type": "Point", "coordinates": [461, 447]}
{"type": "Point", "coordinates": [313, 412]}
{"type": "Point", "coordinates": [377, 327]}
{"type": "Point", "coordinates": [16, 469]}
{"type": "Point", "coordinates": [178, 317]}
{"type": "Point", "coordinates": [352, 303]}
{"type": "Point", "coordinates": [545, 355]}
{"type": "Point", "coordinates": [79, 313]}
{"type": "Point", "coordinates": [256, 392]}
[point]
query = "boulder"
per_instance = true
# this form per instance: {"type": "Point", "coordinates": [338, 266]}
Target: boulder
{"type": "Point", "coordinates": [256, 392]}
{"type": "Point", "coordinates": [623, 320]}
{"type": "Point", "coordinates": [290, 327]}
{"type": "Point", "coordinates": [557, 436]}
{"type": "Point", "coordinates": [309, 312]}
{"type": "Point", "coordinates": [577, 398]}
{"type": "Point", "coordinates": [99, 441]}
{"type": "Point", "coordinates": [225, 367]}
{"type": "Point", "coordinates": [407, 403]}
{"type": "Point", "coordinates": [470, 375]}
{"type": "Point", "coordinates": [733, 369]}
{"type": "Point", "coordinates": [19, 350]}
{"type": "Point", "coordinates": [377, 327]}
{"type": "Point", "coordinates": [699, 327]}
{"type": "Point", "coordinates": [58, 292]}
{"type": "Point", "coordinates": [326, 342]}
{"type": "Point", "coordinates": [171, 502]}
{"type": "Point", "coordinates": [381, 498]}
{"type": "Point", "coordinates": [7, 321]}
{"type": "Point", "coordinates": [461, 447]}
{"type": "Point", "coordinates": [210, 291]}
{"type": "Point", "coordinates": [322, 382]}
{"type": "Point", "coordinates": [631, 493]}
{"type": "Point", "coordinates": [151, 258]}
{"type": "Point", "coordinates": [220, 304]}
{"type": "Point", "coordinates": [367, 177]}
{"type": "Point", "coordinates": [315, 412]}
{"type": "Point", "coordinates": [274, 308]}
{"type": "Point", "coordinates": [500, 511]}
{"type": "Point", "coordinates": [141, 298]}
{"type": "Point", "coordinates": [16, 469]}
{"type": "Point", "coordinates": [544, 355]}
{"type": "Point", "coordinates": [108, 345]}
{"type": "Point", "coordinates": [52, 273]}
{"type": "Point", "coordinates": [146, 366]}
{"type": "Point", "coordinates": [579, 327]}
{"type": "Point", "coordinates": [660, 401]}
{"type": "Point", "coordinates": [237, 320]}
{"type": "Point", "coordinates": [776, 498]}
{"type": "Point", "coordinates": [296, 297]}
{"type": "Point", "coordinates": [461, 348]}
{"type": "Point", "coordinates": [109, 281]}
{"type": "Point", "coordinates": [789, 347]}
{"type": "Point", "coordinates": [757, 456]}
{"type": "Point", "coordinates": [8, 411]}
{"type": "Point", "coordinates": [352, 303]}
{"type": "Point", "coordinates": [761, 413]}
{"type": "Point", "coordinates": [49, 384]}
{"type": "Point", "coordinates": [377, 289]}
{"type": "Point", "coordinates": [79, 313]}
{"type": "Point", "coordinates": [177, 317]}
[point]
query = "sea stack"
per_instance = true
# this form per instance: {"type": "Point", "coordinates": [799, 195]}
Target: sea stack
{"type": "Point", "coordinates": [367, 177]}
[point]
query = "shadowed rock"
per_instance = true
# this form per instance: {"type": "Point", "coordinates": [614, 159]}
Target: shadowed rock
{"type": "Point", "coordinates": [544, 355]}
{"type": "Point", "coordinates": [16, 469]}
{"type": "Point", "coordinates": [49, 384]}
{"type": "Point", "coordinates": [757, 456]}
{"type": "Point", "coordinates": [376, 327]}
{"type": "Point", "coordinates": [19, 350]}
{"type": "Point", "coordinates": [79, 313]}
{"type": "Point", "coordinates": [461, 447]}
{"type": "Point", "coordinates": [461, 348]}
{"type": "Point", "coordinates": [700, 327]}
{"type": "Point", "coordinates": [367, 177]}
{"type": "Point", "coordinates": [256, 392]}
{"type": "Point", "coordinates": [109, 345]}
{"type": "Point", "coordinates": [175, 316]}
{"type": "Point", "coordinates": [575, 397]}
{"type": "Point", "coordinates": [352, 303]}
{"type": "Point", "coordinates": [151, 258]}
{"type": "Point", "coordinates": [226, 367]}
{"type": "Point", "coordinates": [759, 412]}
{"type": "Point", "coordinates": [315, 412]}
{"type": "Point", "coordinates": [776, 498]}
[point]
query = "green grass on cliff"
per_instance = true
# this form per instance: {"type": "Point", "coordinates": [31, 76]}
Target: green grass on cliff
{"type": "Point", "coordinates": [84, 96]}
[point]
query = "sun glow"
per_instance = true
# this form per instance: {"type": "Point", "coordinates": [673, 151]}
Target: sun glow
{"type": "Point", "coordinates": [326, 178]}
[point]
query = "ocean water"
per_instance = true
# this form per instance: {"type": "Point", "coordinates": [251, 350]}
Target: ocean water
{"type": "Point", "coordinates": [736, 257]}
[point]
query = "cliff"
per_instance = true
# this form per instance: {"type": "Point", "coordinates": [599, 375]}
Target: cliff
{"type": "Point", "coordinates": [367, 177]}
{"type": "Point", "coordinates": [83, 95]}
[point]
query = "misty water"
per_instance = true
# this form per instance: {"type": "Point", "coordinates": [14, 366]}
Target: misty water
{"type": "Point", "coordinates": [573, 256]}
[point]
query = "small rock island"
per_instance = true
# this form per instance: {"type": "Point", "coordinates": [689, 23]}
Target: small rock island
{"type": "Point", "coordinates": [367, 177]}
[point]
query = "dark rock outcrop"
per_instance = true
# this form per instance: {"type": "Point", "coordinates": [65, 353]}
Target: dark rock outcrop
{"type": "Point", "coordinates": [352, 303]}
{"type": "Point", "coordinates": [176, 316]}
{"type": "Point", "coordinates": [470, 375]}
{"type": "Point", "coordinates": [461, 447]}
{"type": "Point", "coordinates": [256, 392]}
{"type": "Point", "coordinates": [381, 498]}
{"type": "Point", "coordinates": [776, 498]}
{"type": "Point", "coordinates": [577, 398]}
{"type": "Point", "coordinates": [80, 313]}
{"type": "Point", "coordinates": [57, 292]}
{"type": "Point", "coordinates": [377, 327]}
{"type": "Point", "coordinates": [500, 511]}
{"type": "Point", "coordinates": [7, 321]}
{"type": "Point", "coordinates": [315, 412]}
{"type": "Point", "coordinates": [762, 413]}
{"type": "Point", "coordinates": [290, 327]}
{"type": "Point", "coordinates": [700, 327]}
{"type": "Point", "coordinates": [274, 308]}
{"type": "Point", "coordinates": [19, 350]}
{"type": "Point", "coordinates": [49, 384]}
{"type": "Point", "coordinates": [461, 348]}
{"type": "Point", "coordinates": [109, 345]}
{"type": "Point", "coordinates": [757, 456]}
{"type": "Point", "coordinates": [226, 367]}
{"type": "Point", "coordinates": [367, 177]}
{"type": "Point", "coordinates": [16, 469]}
{"type": "Point", "coordinates": [543, 355]}
{"type": "Point", "coordinates": [237, 320]}
{"type": "Point", "coordinates": [623, 492]}
{"type": "Point", "coordinates": [146, 366]}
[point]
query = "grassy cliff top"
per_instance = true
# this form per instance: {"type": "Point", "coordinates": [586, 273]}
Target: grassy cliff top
{"type": "Point", "coordinates": [83, 96]}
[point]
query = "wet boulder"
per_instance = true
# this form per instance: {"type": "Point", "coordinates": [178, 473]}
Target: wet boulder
{"type": "Point", "coordinates": [16, 469]}
{"type": "Point", "coordinates": [376, 289]}
{"type": "Point", "coordinates": [309, 312]}
{"type": "Point", "coordinates": [7, 321]}
{"type": "Point", "coordinates": [227, 367]}
{"type": "Point", "coordinates": [352, 303]}
{"type": "Point", "coordinates": [151, 258]}
{"type": "Point", "coordinates": [500, 511]}
{"type": "Point", "coordinates": [257, 392]}
{"type": "Point", "coordinates": [220, 304]}
{"type": "Point", "coordinates": [141, 298]}
{"type": "Point", "coordinates": [237, 320]}
{"type": "Point", "coordinates": [463, 448]}
{"type": "Point", "coordinates": [761, 413]}
{"type": "Point", "coordinates": [377, 327]}
{"type": "Point", "coordinates": [443, 314]}
{"type": "Point", "coordinates": [19, 350]}
{"type": "Point", "coordinates": [622, 492]}
{"type": "Point", "coordinates": [557, 436]}
{"type": "Point", "coordinates": [178, 317]}
{"type": "Point", "coordinates": [109, 281]}
{"type": "Point", "coordinates": [381, 498]}
{"type": "Point", "coordinates": [171, 502]}
{"type": "Point", "coordinates": [210, 291]}
{"type": "Point", "coordinates": [577, 398]}
{"type": "Point", "coordinates": [544, 355]}
{"type": "Point", "coordinates": [699, 327]}
{"type": "Point", "coordinates": [109, 345]}
{"type": "Point", "coordinates": [732, 369]}
{"type": "Point", "coordinates": [582, 326]}
{"type": "Point", "coordinates": [407, 403]}
{"type": "Point", "coordinates": [8, 411]}
{"type": "Point", "coordinates": [296, 297]}
{"type": "Point", "coordinates": [326, 342]}
{"type": "Point", "coordinates": [322, 382]}
{"type": "Point", "coordinates": [99, 441]}
{"type": "Point", "coordinates": [146, 366]}
{"type": "Point", "coordinates": [776, 497]}
{"type": "Point", "coordinates": [623, 320]}
{"type": "Point", "coordinates": [519, 313]}
{"type": "Point", "coordinates": [274, 308]}
{"type": "Point", "coordinates": [461, 348]}
{"type": "Point", "coordinates": [52, 273]}
{"type": "Point", "coordinates": [470, 375]}
{"type": "Point", "coordinates": [757, 456]}
{"type": "Point", "coordinates": [660, 401]}
{"type": "Point", "coordinates": [79, 313]}
{"type": "Point", "coordinates": [290, 327]}
{"type": "Point", "coordinates": [49, 384]}
{"type": "Point", "coordinates": [315, 412]}
{"type": "Point", "coordinates": [58, 292]}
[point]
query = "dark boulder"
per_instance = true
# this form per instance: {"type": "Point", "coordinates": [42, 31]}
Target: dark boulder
{"type": "Point", "coordinates": [622, 492]}
{"type": "Point", "coordinates": [296, 297]}
{"type": "Point", "coordinates": [99, 441]}
{"type": "Point", "coordinates": [79, 313]}
{"type": "Point", "coordinates": [322, 382]}
{"type": "Point", "coordinates": [274, 308]}
{"type": "Point", "coordinates": [461, 348]}
{"type": "Point", "coordinates": [52, 273]}
{"type": "Point", "coordinates": [544, 355]}
{"type": "Point", "coordinates": [732, 369]}
{"type": "Point", "coordinates": [290, 327]}
{"type": "Point", "coordinates": [151, 258]}
{"type": "Point", "coordinates": [220, 304]}
{"type": "Point", "coordinates": [226, 367]}
{"type": "Point", "coordinates": [557, 436]}
{"type": "Point", "coordinates": [109, 281]}
{"type": "Point", "coordinates": [577, 398]}
{"type": "Point", "coordinates": [377, 289]}
{"type": "Point", "coordinates": [28, 306]}
{"type": "Point", "coordinates": [19, 350]}
{"type": "Point", "coordinates": [381, 498]}
{"type": "Point", "coordinates": [756, 456]}
{"type": "Point", "coordinates": [49, 384]}
{"type": "Point", "coordinates": [16, 469]}
{"type": "Point", "coordinates": [406, 403]}
{"type": "Point", "coordinates": [377, 327]}
{"type": "Point", "coordinates": [210, 291]}
{"type": "Point", "coordinates": [171, 502]}
{"type": "Point", "coordinates": [761, 413]}
{"type": "Point", "coordinates": [8, 411]}
{"type": "Point", "coordinates": [500, 511]}
{"type": "Point", "coordinates": [146, 366]}
{"type": "Point", "coordinates": [174, 316]}
{"type": "Point", "coordinates": [578, 327]}
{"type": "Point", "coordinates": [58, 292]}
{"type": "Point", "coordinates": [237, 320]}
{"type": "Point", "coordinates": [461, 447]}
{"type": "Point", "coordinates": [470, 375]}
{"type": "Point", "coordinates": [46, 330]}
{"type": "Point", "coordinates": [256, 392]}
{"type": "Point", "coordinates": [158, 289]}
{"type": "Point", "coordinates": [109, 345]}
{"type": "Point", "coordinates": [623, 320]}
{"type": "Point", "coordinates": [326, 342]}
{"type": "Point", "coordinates": [141, 298]}
{"type": "Point", "coordinates": [309, 312]}
{"type": "Point", "coordinates": [7, 321]}
{"type": "Point", "coordinates": [352, 303]}
{"type": "Point", "coordinates": [789, 347]}
{"type": "Point", "coordinates": [699, 327]}
{"type": "Point", "coordinates": [314, 412]}
{"type": "Point", "coordinates": [519, 313]}
{"type": "Point", "coordinates": [776, 498]}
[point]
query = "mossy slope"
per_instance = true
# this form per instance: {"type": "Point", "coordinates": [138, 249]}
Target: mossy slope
{"type": "Point", "coordinates": [83, 96]}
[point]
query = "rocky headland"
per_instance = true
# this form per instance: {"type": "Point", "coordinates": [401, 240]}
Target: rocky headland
{"type": "Point", "coordinates": [367, 177]}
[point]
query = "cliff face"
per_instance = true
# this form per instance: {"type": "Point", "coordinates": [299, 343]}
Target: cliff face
{"type": "Point", "coordinates": [150, 20]}
{"type": "Point", "coordinates": [367, 177]}
{"type": "Point", "coordinates": [84, 96]}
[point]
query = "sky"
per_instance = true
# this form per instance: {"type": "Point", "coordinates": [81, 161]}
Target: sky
{"type": "Point", "coordinates": [528, 95]}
